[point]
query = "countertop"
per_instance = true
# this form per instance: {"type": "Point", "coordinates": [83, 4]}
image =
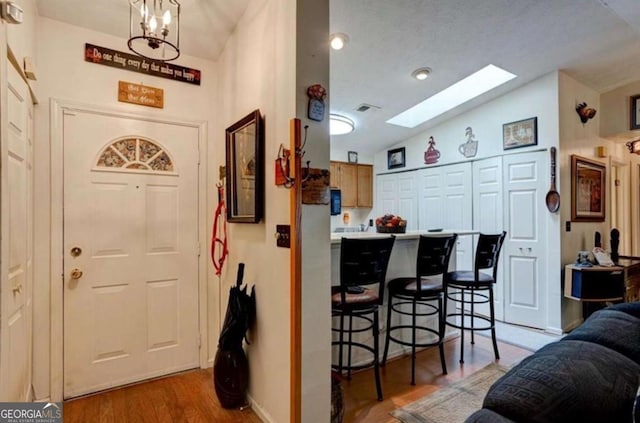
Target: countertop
{"type": "Point", "coordinates": [336, 236]}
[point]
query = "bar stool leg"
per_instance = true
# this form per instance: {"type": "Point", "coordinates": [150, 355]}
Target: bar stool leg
{"type": "Point", "coordinates": [493, 324]}
{"type": "Point", "coordinates": [349, 347]}
{"type": "Point", "coordinates": [388, 334]}
{"type": "Point", "coordinates": [413, 342]}
{"type": "Point", "coordinates": [463, 312]}
{"type": "Point", "coordinates": [441, 328]}
{"type": "Point", "coordinates": [473, 314]}
{"type": "Point", "coordinates": [376, 348]}
{"type": "Point", "coordinates": [341, 343]}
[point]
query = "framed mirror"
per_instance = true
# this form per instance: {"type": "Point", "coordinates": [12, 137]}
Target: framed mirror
{"type": "Point", "coordinates": [245, 169]}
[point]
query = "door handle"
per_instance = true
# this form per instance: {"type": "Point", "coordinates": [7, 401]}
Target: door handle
{"type": "Point", "coordinates": [76, 274]}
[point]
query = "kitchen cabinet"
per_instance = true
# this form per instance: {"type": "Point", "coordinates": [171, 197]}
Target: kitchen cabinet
{"type": "Point", "coordinates": [355, 182]}
{"type": "Point", "coordinates": [396, 194]}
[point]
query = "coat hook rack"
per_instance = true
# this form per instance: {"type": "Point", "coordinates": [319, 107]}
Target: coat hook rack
{"type": "Point", "coordinates": [282, 164]}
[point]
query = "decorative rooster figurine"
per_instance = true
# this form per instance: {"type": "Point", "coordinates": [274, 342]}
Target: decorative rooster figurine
{"type": "Point", "coordinates": [585, 112]}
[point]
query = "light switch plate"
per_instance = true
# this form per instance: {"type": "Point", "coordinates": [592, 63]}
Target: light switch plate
{"type": "Point", "coordinates": [283, 236]}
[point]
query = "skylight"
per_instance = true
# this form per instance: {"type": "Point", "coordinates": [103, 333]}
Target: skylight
{"type": "Point", "coordinates": [462, 91]}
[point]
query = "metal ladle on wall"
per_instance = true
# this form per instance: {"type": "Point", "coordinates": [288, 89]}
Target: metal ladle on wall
{"type": "Point", "coordinates": [553, 197]}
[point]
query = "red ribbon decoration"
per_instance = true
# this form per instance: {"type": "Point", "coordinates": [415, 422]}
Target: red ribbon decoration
{"type": "Point", "coordinates": [221, 212]}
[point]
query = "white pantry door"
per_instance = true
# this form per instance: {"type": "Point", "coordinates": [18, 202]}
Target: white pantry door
{"type": "Point", "coordinates": [523, 253]}
{"type": "Point", "coordinates": [130, 237]}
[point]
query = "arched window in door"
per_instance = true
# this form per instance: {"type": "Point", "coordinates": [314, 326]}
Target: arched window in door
{"type": "Point", "coordinates": [135, 154]}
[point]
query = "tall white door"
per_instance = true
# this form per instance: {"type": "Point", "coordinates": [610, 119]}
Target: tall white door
{"type": "Point", "coordinates": [445, 201]}
{"type": "Point", "coordinates": [487, 216]}
{"type": "Point", "coordinates": [16, 315]}
{"type": "Point", "coordinates": [395, 194]}
{"type": "Point", "coordinates": [523, 255]}
{"type": "Point", "coordinates": [130, 250]}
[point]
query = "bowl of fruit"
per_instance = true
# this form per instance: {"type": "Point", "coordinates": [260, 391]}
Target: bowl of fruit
{"type": "Point", "coordinates": [391, 224]}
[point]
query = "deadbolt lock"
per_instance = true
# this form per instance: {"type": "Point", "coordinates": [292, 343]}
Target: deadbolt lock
{"type": "Point", "coordinates": [76, 251]}
{"type": "Point", "coordinates": [76, 274]}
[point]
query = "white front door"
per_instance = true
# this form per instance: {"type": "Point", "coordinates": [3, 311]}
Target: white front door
{"type": "Point", "coordinates": [523, 254]}
{"type": "Point", "coordinates": [130, 250]}
{"type": "Point", "coordinates": [16, 309]}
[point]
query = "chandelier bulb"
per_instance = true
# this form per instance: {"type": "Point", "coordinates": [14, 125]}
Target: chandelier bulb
{"type": "Point", "coordinates": [166, 18]}
{"type": "Point", "coordinates": [153, 24]}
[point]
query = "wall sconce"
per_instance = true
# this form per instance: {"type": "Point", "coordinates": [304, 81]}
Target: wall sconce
{"type": "Point", "coordinates": [634, 146]}
{"type": "Point", "coordinates": [585, 112]}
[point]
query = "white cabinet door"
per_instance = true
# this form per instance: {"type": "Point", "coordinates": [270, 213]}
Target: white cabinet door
{"type": "Point", "coordinates": [523, 255]}
{"type": "Point", "coordinates": [487, 215]}
{"type": "Point", "coordinates": [430, 208]}
{"type": "Point", "coordinates": [396, 194]}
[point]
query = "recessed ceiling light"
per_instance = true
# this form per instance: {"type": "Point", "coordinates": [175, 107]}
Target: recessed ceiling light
{"type": "Point", "coordinates": [462, 91]}
{"type": "Point", "coordinates": [338, 40]}
{"type": "Point", "coordinates": [340, 125]}
{"type": "Point", "coordinates": [421, 74]}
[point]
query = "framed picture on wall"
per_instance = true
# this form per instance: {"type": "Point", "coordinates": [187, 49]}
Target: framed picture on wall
{"type": "Point", "coordinates": [588, 190]}
{"type": "Point", "coordinates": [635, 112]}
{"type": "Point", "coordinates": [521, 133]}
{"type": "Point", "coordinates": [396, 158]}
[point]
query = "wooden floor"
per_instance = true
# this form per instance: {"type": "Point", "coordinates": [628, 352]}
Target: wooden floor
{"type": "Point", "coordinates": [190, 397]}
{"type": "Point", "coordinates": [184, 397]}
{"type": "Point", "coordinates": [361, 404]}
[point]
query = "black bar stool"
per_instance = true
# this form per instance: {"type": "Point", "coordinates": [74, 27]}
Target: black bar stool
{"type": "Point", "coordinates": [471, 287]}
{"type": "Point", "coordinates": [363, 263]}
{"type": "Point", "coordinates": [423, 294]}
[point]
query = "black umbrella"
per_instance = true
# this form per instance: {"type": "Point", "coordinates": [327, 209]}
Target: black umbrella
{"type": "Point", "coordinates": [231, 369]}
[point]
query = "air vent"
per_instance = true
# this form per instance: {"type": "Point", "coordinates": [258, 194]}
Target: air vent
{"type": "Point", "coordinates": [364, 107]}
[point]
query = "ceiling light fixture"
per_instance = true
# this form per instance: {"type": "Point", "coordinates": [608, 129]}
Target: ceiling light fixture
{"type": "Point", "coordinates": [338, 40]}
{"type": "Point", "coordinates": [421, 74]}
{"type": "Point", "coordinates": [154, 29]}
{"type": "Point", "coordinates": [340, 125]}
{"type": "Point", "coordinates": [634, 146]}
{"type": "Point", "coordinates": [462, 91]}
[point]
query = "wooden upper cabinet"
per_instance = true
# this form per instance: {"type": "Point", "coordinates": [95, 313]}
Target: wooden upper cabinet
{"type": "Point", "coordinates": [355, 181]}
{"type": "Point", "coordinates": [365, 186]}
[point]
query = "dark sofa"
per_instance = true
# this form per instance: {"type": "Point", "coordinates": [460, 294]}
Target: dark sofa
{"type": "Point", "coordinates": [590, 375]}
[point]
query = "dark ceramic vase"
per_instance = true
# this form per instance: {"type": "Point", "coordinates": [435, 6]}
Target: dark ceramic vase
{"type": "Point", "coordinates": [231, 377]}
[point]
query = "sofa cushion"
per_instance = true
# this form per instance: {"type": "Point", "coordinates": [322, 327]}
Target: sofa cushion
{"type": "Point", "coordinates": [568, 380]}
{"type": "Point", "coordinates": [487, 416]}
{"type": "Point", "coordinates": [632, 308]}
{"type": "Point", "coordinates": [611, 328]}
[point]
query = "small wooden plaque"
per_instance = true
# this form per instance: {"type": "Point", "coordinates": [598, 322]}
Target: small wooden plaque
{"type": "Point", "coordinates": [144, 95]}
{"type": "Point", "coordinates": [315, 190]}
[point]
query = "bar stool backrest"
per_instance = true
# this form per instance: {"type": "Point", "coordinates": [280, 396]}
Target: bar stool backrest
{"type": "Point", "coordinates": [434, 253]}
{"type": "Point", "coordinates": [364, 261]}
{"type": "Point", "coordinates": [488, 253]}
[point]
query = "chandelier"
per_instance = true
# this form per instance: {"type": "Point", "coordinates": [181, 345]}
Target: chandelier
{"type": "Point", "coordinates": [154, 31]}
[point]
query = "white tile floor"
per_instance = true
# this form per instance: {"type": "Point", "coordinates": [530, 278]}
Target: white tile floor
{"type": "Point", "coordinates": [524, 337]}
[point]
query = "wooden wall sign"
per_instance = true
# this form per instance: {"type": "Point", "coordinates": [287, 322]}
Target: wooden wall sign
{"type": "Point", "coordinates": [131, 62]}
{"type": "Point", "coordinates": [315, 190]}
{"type": "Point", "coordinates": [128, 92]}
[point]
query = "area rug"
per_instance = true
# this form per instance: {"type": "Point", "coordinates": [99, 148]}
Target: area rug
{"type": "Point", "coordinates": [454, 403]}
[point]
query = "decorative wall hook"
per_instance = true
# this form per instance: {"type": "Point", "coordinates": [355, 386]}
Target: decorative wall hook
{"type": "Point", "coordinates": [585, 112]}
{"type": "Point", "coordinates": [282, 164]}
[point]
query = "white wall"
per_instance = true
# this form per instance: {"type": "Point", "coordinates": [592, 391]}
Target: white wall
{"type": "Point", "coordinates": [258, 71]}
{"type": "Point", "coordinates": [582, 140]}
{"type": "Point", "coordinates": [312, 56]}
{"type": "Point", "coordinates": [536, 98]}
{"type": "Point", "coordinates": [63, 74]}
{"type": "Point", "coordinates": [615, 116]}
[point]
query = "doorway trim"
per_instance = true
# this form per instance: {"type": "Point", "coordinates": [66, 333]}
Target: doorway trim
{"type": "Point", "coordinates": [58, 107]}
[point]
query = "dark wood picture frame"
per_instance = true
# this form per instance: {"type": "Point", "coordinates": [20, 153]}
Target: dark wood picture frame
{"type": "Point", "coordinates": [521, 133]}
{"type": "Point", "coordinates": [396, 158]}
{"type": "Point", "coordinates": [634, 116]}
{"type": "Point", "coordinates": [588, 190]}
{"type": "Point", "coordinates": [245, 169]}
